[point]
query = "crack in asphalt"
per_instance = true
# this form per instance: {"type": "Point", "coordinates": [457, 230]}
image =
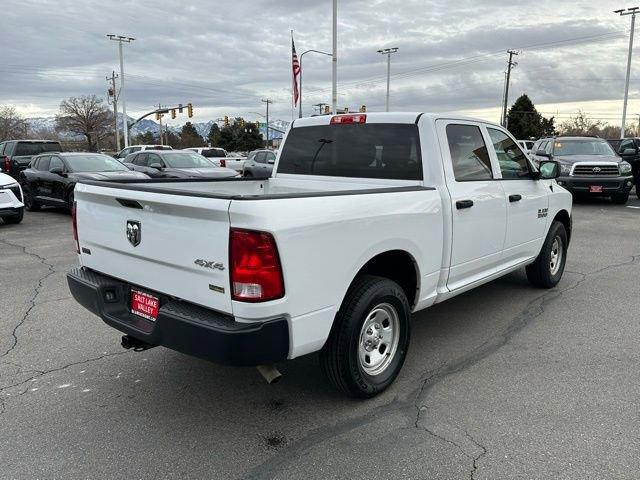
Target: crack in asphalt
{"type": "Point", "coordinates": [36, 291]}
{"type": "Point", "coordinates": [533, 310]}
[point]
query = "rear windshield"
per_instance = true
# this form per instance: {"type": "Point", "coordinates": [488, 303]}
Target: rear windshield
{"type": "Point", "coordinates": [390, 151]}
{"type": "Point", "coordinates": [186, 160]}
{"type": "Point", "coordinates": [35, 148]}
{"type": "Point", "coordinates": [213, 153]}
{"type": "Point", "coordinates": [94, 163]}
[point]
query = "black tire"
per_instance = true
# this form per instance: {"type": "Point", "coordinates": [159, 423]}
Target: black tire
{"type": "Point", "coordinates": [619, 198]}
{"type": "Point", "coordinates": [542, 272]}
{"type": "Point", "coordinates": [30, 203]}
{"type": "Point", "coordinates": [339, 357]}
{"type": "Point", "coordinates": [16, 218]}
{"type": "Point", "coordinates": [247, 175]}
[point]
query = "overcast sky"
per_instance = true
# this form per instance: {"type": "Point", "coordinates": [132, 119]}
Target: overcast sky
{"type": "Point", "coordinates": [225, 56]}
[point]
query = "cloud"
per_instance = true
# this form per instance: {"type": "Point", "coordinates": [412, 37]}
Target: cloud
{"type": "Point", "coordinates": [225, 56]}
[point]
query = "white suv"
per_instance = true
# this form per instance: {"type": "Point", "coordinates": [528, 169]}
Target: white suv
{"type": "Point", "coordinates": [138, 148]}
{"type": "Point", "coordinates": [11, 206]}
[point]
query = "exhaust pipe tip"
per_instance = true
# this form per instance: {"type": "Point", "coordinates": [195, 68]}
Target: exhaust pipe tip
{"type": "Point", "coordinates": [270, 373]}
{"type": "Point", "coordinates": [128, 342]}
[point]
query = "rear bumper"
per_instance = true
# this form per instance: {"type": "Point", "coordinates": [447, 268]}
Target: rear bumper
{"type": "Point", "coordinates": [182, 326]}
{"type": "Point", "coordinates": [609, 184]}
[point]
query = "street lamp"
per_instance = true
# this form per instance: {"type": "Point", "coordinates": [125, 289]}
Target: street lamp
{"type": "Point", "coordinates": [629, 11]}
{"type": "Point", "coordinates": [300, 60]}
{"type": "Point", "coordinates": [388, 52]}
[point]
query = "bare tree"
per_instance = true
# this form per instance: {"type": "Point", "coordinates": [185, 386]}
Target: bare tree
{"type": "Point", "coordinates": [85, 115]}
{"type": "Point", "coordinates": [581, 124]}
{"type": "Point", "coordinates": [12, 124]}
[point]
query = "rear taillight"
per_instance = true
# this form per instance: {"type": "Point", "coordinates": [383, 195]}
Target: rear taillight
{"type": "Point", "coordinates": [7, 165]}
{"type": "Point", "coordinates": [357, 118]}
{"type": "Point", "coordinates": [256, 274]}
{"type": "Point", "coordinates": [74, 223]}
{"type": "Point", "coordinates": [223, 162]}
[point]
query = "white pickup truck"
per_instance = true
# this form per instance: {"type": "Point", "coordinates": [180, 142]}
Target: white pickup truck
{"type": "Point", "coordinates": [367, 218]}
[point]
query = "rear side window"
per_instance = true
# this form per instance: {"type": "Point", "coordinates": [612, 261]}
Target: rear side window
{"type": "Point", "coordinates": [56, 162]}
{"type": "Point", "coordinates": [390, 151]}
{"type": "Point", "coordinates": [469, 154]}
{"type": "Point", "coordinates": [141, 159]}
{"type": "Point", "coordinates": [43, 164]}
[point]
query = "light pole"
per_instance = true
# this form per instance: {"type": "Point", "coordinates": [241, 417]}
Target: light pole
{"type": "Point", "coordinates": [334, 60]}
{"type": "Point", "coordinates": [300, 60]}
{"type": "Point", "coordinates": [629, 11]}
{"type": "Point", "coordinates": [120, 39]}
{"type": "Point", "coordinates": [388, 52]}
{"type": "Point", "coordinates": [267, 101]}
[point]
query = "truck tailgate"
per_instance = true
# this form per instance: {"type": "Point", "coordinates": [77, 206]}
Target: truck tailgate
{"type": "Point", "coordinates": [175, 232]}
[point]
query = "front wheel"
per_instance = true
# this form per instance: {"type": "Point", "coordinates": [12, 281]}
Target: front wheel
{"type": "Point", "coordinates": [547, 269]}
{"type": "Point", "coordinates": [30, 203]}
{"type": "Point", "coordinates": [619, 198]}
{"type": "Point", "coordinates": [370, 337]}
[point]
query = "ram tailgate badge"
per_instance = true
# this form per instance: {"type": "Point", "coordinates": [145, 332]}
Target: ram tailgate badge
{"type": "Point", "coordinates": [134, 232]}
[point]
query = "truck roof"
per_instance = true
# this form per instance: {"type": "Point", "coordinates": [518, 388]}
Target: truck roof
{"type": "Point", "coordinates": [384, 117]}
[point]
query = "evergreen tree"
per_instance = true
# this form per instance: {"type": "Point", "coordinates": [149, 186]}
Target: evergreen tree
{"type": "Point", "coordinates": [146, 138]}
{"type": "Point", "coordinates": [525, 122]}
{"type": "Point", "coordinates": [189, 136]}
{"type": "Point", "coordinates": [214, 135]}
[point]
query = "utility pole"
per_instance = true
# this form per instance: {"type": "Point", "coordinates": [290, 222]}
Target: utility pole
{"type": "Point", "coordinates": [321, 106]}
{"type": "Point", "coordinates": [388, 52]}
{"type": "Point", "coordinates": [510, 65]}
{"type": "Point", "coordinates": [114, 94]}
{"type": "Point", "coordinates": [160, 115]}
{"type": "Point", "coordinates": [334, 60]}
{"type": "Point", "coordinates": [122, 39]}
{"type": "Point", "coordinates": [630, 11]}
{"type": "Point", "coordinates": [267, 101]}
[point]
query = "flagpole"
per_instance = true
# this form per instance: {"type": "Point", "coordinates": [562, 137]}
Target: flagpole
{"type": "Point", "coordinates": [292, 78]}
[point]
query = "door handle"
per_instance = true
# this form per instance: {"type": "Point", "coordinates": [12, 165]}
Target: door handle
{"type": "Point", "coordinates": [460, 204]}
{"type": "Point", "coordinates": [515, 198]}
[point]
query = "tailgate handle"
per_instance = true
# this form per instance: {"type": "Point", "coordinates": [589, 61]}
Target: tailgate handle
{"type": "Point", "coordinates": [515, 198]}
{"type": "Point", "coordinates": [125, 202]}
{"type": "Point", "coordinates": [464, 204]}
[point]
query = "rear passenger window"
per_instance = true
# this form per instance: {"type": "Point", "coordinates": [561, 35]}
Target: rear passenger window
{"type": "Point", "coordinates": [140, 159]}
{"type": "Point", "coordinates": [469, 154]}
{"type": "Point", "coordinates": [56, 162]}
{"type": "Point", "coordinates": [513, 162]}
{"type": "Point", "coordinates": [43, 164]}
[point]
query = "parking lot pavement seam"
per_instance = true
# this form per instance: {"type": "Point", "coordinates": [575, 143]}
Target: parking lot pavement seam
{"type": "Point", "coordinates": [32, 301]}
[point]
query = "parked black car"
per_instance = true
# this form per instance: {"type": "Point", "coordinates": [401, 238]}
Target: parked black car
{"type": "Point", "coordinates": [259, 164]}
{"type": "Point", "coordinates": [176, 164]}
{"type": "Point", "coordinates": [588, 166]}
{"type": "Point", "coordinates": [50, 179]}
{"type": "Point", "coordinates": [629, 150]}
{"type": "Point", "coordinates": [15, 155]}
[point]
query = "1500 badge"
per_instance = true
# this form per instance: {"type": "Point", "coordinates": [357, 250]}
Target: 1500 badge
{"type": "Point", "coordinates": [207, 264]}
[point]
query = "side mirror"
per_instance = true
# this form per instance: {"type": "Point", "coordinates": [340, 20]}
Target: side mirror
{"type": "Point", "coordinates": [629, 151]}
{"type": "Point", "coordinates": [271, 162]}
{"type": "Point", "coordinates": [157, 166]}
{"type": "Point", "coordinates": [542, 153]}
{"type": "Point", "coordinates": [57, 171]}
{"type": "Point", "coordinates": [549, 170]}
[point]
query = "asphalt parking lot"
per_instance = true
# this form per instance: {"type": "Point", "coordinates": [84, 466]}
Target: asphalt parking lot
{"type": "Point", "coordinates": [506, 381]}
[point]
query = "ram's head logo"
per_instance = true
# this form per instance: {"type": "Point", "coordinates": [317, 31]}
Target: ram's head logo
{"type": "Point", "coordinates": [134, 232]}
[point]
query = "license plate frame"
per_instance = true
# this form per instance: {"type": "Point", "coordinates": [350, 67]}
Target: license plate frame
{"type": "Point", "coordinates": [596, 189]}
{"type": "Point", "coordinates": [144, 304]}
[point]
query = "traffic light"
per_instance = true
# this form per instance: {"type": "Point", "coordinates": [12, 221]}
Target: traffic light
{"type": "Point", "coordinates": [226, 120]}
{"type": "Point", "coordinates": [242, 122]}
{"type": "Point", "coordinates": [258, 125]}
{"type": "Point", "coordinates": [363, 109]}
{"type": "Point", "coordinates": [179, 108]}
{"type": "Point", "coordinates": [173, 113]}
{"type": "Point", "coordinates": [158, 116]}
{"type": "Point", "coordinates": [189, 110]}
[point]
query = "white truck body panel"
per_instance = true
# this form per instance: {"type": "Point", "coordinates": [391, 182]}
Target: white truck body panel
{"type": "Point", "coordinates": [326, 229]}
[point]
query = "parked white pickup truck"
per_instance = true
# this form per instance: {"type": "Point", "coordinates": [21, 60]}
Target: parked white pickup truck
{"type": "Point", "coordinates": [367, 218]}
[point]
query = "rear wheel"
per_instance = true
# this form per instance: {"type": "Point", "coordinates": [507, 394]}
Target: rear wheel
{"type": "Point", "coordinates": [247, 175]}
{"type": "Point", "coordinates": [369, 340]}
{"type": "Point", "coordinates": [30, 203]}
{"type": "Point", "coordinates": [548, 268]}
{"type": "Point", "coordinates": [619, 198]}
{"type": "Point", "coordinates": [16, 218]}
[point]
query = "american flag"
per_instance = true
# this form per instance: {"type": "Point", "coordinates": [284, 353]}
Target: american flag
{"type": "Point", "coordinates": [295, 66]}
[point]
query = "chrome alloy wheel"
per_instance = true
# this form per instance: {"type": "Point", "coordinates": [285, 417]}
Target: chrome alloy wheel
{"type": "Point", "coordinates": [379, 339]}
{"type": "Point", "coordinates": [556, 256]}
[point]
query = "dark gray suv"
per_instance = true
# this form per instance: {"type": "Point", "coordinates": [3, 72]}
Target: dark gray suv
{"type": "Point", "coordinates": [259, 164]}
{"type": "Point", "coordinates": [15, 155]}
